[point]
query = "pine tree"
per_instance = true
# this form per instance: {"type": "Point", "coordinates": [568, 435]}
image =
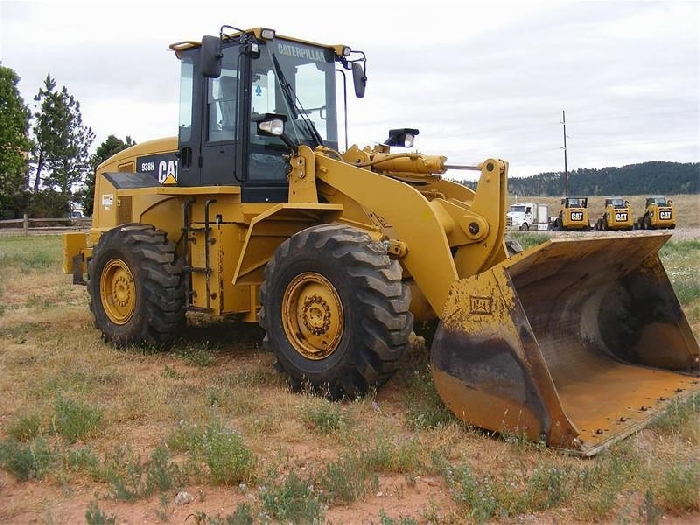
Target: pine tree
{"type": "Point", "coordinates": [61, 156]}
{"type": "Point", "coordinates": [14, 144]}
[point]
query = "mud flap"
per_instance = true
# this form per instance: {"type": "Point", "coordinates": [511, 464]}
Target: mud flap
{"type": "Point", "coordinates": [576, 342]}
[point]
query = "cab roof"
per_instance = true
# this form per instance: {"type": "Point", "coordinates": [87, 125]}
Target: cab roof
{"type": "Point", "coordinates": [257, 32]}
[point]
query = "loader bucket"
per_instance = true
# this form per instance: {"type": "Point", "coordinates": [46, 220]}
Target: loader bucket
{"type": "Point", "coordinates": [576, 342]}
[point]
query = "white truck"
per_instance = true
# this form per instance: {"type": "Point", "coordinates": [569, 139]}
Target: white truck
{"type": "Point", "coordinates": [526, 216]}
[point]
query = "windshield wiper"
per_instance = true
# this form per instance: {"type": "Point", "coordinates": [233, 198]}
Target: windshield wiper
{"type": "Point", "coordinates": [298, 111]}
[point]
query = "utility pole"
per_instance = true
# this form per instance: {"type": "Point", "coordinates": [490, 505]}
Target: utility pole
{"type": "Point", "coordinates": [566, 164]}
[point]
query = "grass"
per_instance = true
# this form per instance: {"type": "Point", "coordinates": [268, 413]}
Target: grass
{"type": "Point", "coordinates": [293, 500]}
{"type": "Point", "coordinates": [322, 416]}
{"type": "Point", "coordinates": [242, 515]}
{"type": "Point", "coordinates": [26, 427]}
{"type": "Point", "coordinates": [131, 479]}
{"type": "Point", "coordinates": [125, 430]}
{"type": "Point", "coordinates": [681, 418]}
{"type": "Point", "coordinates": [95, 516]}
{"type": "Point", "coordinates": [26, 460]}
{"type": "Point", "coordinates": [75, 420]}
{"type": "Point", "coordinates": [228, 459]}
{"type": "Point", "coordinates": [346, 480]}
{"type": "Point", "coordinates": [424, 408]}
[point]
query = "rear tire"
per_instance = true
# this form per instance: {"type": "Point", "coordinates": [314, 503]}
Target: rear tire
{"type": "Point", "coordinates": [137, 294]}
{"type": "Point", "coordinates": [335, 311]}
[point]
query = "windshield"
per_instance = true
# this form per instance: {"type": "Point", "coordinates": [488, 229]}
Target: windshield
{"type": "Point", "coordinates": [297, 80]}
{"type": "Point", "coordinates": [517, 208]}
{"type": "Point", "coordinates": [617, 203]}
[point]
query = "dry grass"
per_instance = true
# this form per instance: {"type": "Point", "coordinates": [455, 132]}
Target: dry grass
{"type": "Point", "coordinates": [687, 207]}
{"type": "Point", "coordinates": [212, 417]}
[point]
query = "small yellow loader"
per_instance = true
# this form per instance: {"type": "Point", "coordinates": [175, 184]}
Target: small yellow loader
{"type": "Point", "coordinates": [659, 213]}
{"type": "Point", "coordinates": [254, 213]}
{"type": "Point", "coordinates": [573, 214]}
{"type": "Point", "coordinates": [617, 215]}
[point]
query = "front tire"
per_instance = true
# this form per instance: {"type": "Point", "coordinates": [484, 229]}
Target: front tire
{"type": "Point", "coordinates": [136, 289]}
{"type": "Point", "coordinates": [335, 310]}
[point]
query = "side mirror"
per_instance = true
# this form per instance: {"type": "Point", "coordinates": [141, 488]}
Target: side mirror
{"type": "Point", "coordinates": [210, 56]}
{"type": "Point", "coordinates": [359, 79]}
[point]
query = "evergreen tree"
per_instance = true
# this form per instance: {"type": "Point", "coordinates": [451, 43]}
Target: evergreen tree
{"type": "Point", "coordinates": [61, 157]}
{"type": "Point", "coordinates": [14, 144]}
{"type": "Point", "coordinates": [109, 147]}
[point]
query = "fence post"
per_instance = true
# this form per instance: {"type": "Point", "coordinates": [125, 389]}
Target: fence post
{"type": "Point", "coordinates": [26, 224]}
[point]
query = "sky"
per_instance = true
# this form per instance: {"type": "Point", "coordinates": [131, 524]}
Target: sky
{"type": "Point", "coordinates": [478, 79]}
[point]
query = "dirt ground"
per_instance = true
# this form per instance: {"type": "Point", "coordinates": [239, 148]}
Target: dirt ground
{"type": "Point", "coordinates": [423, 498]}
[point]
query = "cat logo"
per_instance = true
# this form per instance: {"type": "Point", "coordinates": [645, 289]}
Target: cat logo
{"type": "Point", "coordinates": [167, 172]}
{"type": "Point", "coordinates": [169, 180]}
{"type": "Point", "coordinates": [576, 215]}
{"type": "Point", "coordinates": [479, 305]}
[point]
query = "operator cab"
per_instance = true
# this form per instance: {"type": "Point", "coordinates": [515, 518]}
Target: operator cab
{"type": "Point", "coordinates": [658, 200]}
{"type": "Point", "coordinates": [228, 82]}
{"type": "Point", "coordinates": [616, 202]}
{"type": "Point", "coordinates": [575, 202]}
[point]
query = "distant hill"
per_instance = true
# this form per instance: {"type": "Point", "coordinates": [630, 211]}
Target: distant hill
{"type": "Point", "coordinates": [646, 178]}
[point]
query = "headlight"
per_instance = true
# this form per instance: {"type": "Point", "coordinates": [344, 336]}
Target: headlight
{"type": "Point", "coordinates": [402, 137]}
{"type": "Point", "coordinates": [273, 126]}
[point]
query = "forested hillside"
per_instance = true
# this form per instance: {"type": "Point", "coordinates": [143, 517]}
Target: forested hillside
{"type": "Point", "coordinates": [647, 178]}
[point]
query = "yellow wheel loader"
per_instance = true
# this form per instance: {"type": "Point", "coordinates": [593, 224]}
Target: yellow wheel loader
{"type": "Point", "coordinates": [253, 212]}
{"type": "Point", "coordinates": [659, 213]}
{"type": "Point", "coordinates": [573, 214]}
{"type": "Point", "coordinates": [617, 215]}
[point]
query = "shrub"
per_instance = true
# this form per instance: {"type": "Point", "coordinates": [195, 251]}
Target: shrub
{"type": "Point", "coordinates": [75, 420]}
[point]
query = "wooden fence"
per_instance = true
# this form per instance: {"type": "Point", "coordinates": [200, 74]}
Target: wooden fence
{"type": "Point", "coordinates": [27, 224]}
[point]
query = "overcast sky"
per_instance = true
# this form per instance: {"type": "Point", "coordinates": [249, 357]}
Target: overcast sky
{"type": "Point", "coordinates": [479, 79]}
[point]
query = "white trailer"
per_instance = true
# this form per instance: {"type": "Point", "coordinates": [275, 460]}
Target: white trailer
{"type": "Point", "coordinates": [526, 216]}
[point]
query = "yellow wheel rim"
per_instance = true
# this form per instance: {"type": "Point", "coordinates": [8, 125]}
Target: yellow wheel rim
{"type": "Point", "coordinates": [118, 291]}
{"type": "Point", "coordinates": [312, 316]}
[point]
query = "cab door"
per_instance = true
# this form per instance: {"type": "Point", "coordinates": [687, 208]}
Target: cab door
{"type": "Point", "coordinates": [222, 112]}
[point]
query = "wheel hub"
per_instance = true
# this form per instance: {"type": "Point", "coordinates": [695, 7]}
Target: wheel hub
{"type": "Point", "coordinates": [312, 315]}
{"type": "Point", "coordinates": [118, 291]}
{"type": "Point", "coordinates": [316, 315]}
